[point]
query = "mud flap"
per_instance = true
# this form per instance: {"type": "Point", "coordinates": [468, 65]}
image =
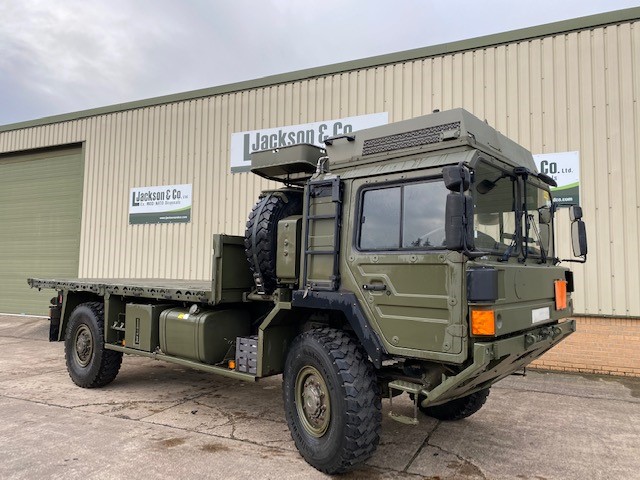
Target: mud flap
{"type": "Point", "coordinates": [55, 312]}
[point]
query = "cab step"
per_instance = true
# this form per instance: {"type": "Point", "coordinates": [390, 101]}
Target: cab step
{"type": "Point", "coordinates": [413, 389]}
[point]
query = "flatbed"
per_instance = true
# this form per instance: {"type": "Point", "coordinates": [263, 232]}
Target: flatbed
{"type": "Point", "coordinates": [160, 289]}
{"type": "Point", "coordinates": [227, 285]}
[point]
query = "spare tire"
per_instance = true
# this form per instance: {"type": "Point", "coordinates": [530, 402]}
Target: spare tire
{"type": "Point", "coordinates": [261, 235]}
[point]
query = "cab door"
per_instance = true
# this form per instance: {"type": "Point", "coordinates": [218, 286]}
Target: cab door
{"type": "Point", "coordinates": [410, 284]}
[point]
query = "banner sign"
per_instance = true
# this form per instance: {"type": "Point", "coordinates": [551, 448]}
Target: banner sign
{"type": "Point", "coordinates": [245, 143]}
{"type": "Point", "coordinates": [161, 204]}
{"type": "Point", "coordinates": [564, 168]}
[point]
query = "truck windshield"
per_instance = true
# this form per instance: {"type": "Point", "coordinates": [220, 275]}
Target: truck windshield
{"type": "Point", "coordinates": [505, 224]}
{"type": "Point", "coordinates": [495, 222]}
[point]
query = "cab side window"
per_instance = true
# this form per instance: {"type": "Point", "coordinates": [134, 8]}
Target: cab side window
{"type": "Point", "coordinates": [380, 219]}
{"type": "Point", "coordinates": [403, 217]}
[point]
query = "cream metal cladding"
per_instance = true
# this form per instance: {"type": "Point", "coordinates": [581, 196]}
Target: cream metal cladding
{"type": "Point", "coordinates": [560, 92]}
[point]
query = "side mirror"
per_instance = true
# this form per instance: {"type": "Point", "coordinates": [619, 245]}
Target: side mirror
{"type": "Point", "coordinates": [575, 213]}
{"type": "Point", "coordinates": [454, 228]}
{"type": "Point", "coordinates": [547, 179]}
{"type": "Point", "coordinates": [579, 237]}
{"type": "Point", "coordinates": [544, 215]}
{"type": "Point", "coordinates": [456, 175]}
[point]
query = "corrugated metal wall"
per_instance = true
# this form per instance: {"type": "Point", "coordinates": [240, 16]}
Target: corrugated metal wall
{"type": "Point", "coordinates": [575, 91]}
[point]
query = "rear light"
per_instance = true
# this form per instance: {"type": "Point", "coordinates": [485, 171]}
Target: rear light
{"type": "Point", "coordinates": [483, 322]}
{"type": "Point", "coordinates": [560, 287]}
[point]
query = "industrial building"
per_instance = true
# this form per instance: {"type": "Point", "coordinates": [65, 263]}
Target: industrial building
{"type": "Point", "coordinates": [70, 184]}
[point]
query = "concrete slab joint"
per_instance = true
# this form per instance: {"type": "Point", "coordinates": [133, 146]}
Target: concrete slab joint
{"type": "Point", "coordinates": [183, 423]}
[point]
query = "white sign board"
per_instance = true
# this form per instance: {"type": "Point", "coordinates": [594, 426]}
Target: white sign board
{"type": "Point", "coordinates": [160, 204]}
{"type": "Point", "coordinates": [245, 143]}
{"type": "Point", "coordinates": [564, 168]}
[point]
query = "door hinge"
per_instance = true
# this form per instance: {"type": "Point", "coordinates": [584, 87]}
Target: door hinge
{"type": "Point", "coordinates": [457, 330]}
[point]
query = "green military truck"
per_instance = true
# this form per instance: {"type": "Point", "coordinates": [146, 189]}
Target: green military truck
{"type": "Point", "coordinates": [417, 257]}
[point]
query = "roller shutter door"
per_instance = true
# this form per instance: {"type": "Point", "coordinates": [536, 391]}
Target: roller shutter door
{"type": "Point", "coordinates": [40, 210]}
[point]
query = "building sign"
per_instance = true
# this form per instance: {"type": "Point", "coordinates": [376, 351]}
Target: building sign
{"type": "Point", "coordinates": [161, 204]}
{"type": "Point", "coordinates": [245, 143]}
{"type": "Point", "coordinates": [564, 168]}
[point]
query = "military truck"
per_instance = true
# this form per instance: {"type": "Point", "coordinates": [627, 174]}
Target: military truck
{"type": "Point", "coordinates": [417, 257]}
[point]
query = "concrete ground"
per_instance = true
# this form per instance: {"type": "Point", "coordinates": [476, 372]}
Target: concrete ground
{"type": "Point", "coordinates": [158, 420]}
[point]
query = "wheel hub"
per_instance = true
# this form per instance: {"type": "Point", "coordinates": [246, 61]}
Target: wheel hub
{"type": "Point", "coordinates": [313, 402]}
{"type": "Point", "coordinates": [84, 345]}
{"type": "Point", "coordinates": [314, 398]}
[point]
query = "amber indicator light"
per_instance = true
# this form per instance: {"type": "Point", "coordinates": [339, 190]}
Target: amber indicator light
{"type": "Point", "coordinates": [483, 322]}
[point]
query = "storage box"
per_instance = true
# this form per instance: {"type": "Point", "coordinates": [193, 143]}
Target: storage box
{"type": "Point", "coordinates": [141, 326]}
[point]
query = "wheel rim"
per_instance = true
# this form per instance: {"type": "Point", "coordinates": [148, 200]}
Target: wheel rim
{"type": "Point", "coordinates": [312, 401]}
{"type": "Point", "coordinates": [83, 345]}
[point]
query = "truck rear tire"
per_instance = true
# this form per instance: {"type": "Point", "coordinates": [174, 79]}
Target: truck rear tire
{"type": "Point", "coordinates": [331, 400]}
{"type": "Point", "coordinates": [459, 408]}
{"type": "Point", "coordinates": [89, 364]}
{"type": "Point", "coordinates": [261, 235]}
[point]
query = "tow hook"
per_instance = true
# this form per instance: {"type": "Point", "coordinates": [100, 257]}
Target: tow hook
{"type": "Point", "coordinates": [542, 334]}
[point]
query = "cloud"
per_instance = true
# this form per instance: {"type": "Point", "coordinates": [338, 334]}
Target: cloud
{"type": "Point", "coordinates": [76, 53]}
{"type": "Point", "coordinates": [60, 56]}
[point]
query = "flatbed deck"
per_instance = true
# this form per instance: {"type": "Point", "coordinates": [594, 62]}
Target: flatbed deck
{"type": "Point", "coordinates": [161, 289]}
{"type": "Point", "coordinates": [231, 279]}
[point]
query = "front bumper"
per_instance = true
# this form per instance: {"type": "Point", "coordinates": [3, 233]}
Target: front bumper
{"type": "Point", "coordinates": [494, 360]}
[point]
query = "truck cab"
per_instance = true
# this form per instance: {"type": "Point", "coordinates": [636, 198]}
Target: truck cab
{"type": "Point", "coordinates": [441, 231]}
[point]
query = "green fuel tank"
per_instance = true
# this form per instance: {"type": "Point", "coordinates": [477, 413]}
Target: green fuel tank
{"type": "Point", "coordinates": [205, 336]}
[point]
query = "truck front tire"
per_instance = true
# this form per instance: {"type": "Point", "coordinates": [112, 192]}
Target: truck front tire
{"type": "Point", "coordinates": [459, 408]}
{"type": "Point", "coordinates": [89, 364]}
{"type": "Point", "coordinates": [331, 399]}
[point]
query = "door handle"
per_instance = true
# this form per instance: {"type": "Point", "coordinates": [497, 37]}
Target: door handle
{"type": "Point", "coordinates": [374, 287]}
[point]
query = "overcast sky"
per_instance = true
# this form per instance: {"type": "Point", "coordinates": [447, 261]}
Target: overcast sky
{"type": "Point", "coordinates": [59, 56]}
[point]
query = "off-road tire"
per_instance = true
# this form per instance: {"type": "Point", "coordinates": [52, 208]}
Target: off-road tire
{"type": "Point", "coordinates": [459, 408]}
{"type": "Point", "coordinates": [353, 430]}
{"type": "Point", "coordinates": [89, 364]}
{"type": "Point", "coordinates": [261, 235]}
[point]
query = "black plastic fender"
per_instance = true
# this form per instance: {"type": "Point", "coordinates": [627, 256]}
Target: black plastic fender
{"type": "Point", "coordinates": [347, 303]}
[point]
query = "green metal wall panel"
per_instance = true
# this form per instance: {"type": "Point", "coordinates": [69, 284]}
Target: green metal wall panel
{"type": "Point", "coordinates": [40, 211]}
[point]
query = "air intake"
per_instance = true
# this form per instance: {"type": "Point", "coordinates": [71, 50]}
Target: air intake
{"type": "Point", "coordinates": [414, 138]}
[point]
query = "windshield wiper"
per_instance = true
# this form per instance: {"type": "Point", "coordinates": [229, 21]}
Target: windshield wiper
{"type": "Point", "coordinates": [543, 253]}
{"type": "Point", "coordinates": [514, 242]}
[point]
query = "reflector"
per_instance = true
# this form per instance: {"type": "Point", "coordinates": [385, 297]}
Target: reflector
{"type": "Point", "coordinates": [560, 287]}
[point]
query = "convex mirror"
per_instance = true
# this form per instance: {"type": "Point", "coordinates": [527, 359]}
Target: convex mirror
{"type": "Point", "coordinates": [575, 213]}
{"type": "Point", "coordinates": [456, 175]}
{"type": "Point", "coordinates": [544, 215]}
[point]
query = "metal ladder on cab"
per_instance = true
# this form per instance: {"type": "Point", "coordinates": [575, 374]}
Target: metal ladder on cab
{"type": "Point", "coordinates": [323, 200]}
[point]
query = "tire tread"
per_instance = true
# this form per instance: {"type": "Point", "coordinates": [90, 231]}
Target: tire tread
{"type": "Point", "coordinates": [110, 360]}
{"type": "Point", "coordinates": [260, 239]}
{"type": "Point", "coordinates": [363, 414]}
{"type": "Point", "coordinates": [459, 408]}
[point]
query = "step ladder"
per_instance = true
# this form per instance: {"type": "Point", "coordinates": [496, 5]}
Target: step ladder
{"type": "Point", "coordinates": [323, 221]}
{"type": "Point", "coordinates": [411, 388]}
